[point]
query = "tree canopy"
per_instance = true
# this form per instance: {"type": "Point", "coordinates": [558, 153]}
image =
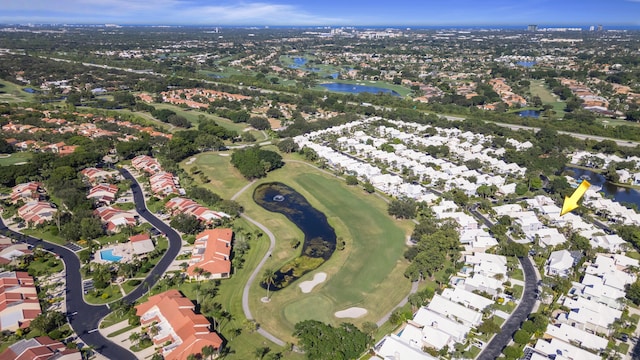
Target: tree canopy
{"type": "Point", "coordinates": [321, 341]}
{"type": "Point", "coordinates": [254, 162]}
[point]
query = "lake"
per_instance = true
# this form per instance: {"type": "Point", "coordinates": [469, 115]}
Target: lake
{"type": "Point", "coordinates": [298, 62]}
{"type": "Point", "coordinates": [529, 113]}
{"type": "Point", "coordinates": [319, 237]}
{"type": "Point", "coordinates": [357, 89]}
{"type": "Point", "coordinates": [526, 63]}
{"type": "Point", "coordinates": [619, 194]}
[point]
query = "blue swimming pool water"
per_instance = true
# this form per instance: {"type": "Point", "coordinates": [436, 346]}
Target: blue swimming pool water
{"type": "Point", "coordinates": [108, 255]}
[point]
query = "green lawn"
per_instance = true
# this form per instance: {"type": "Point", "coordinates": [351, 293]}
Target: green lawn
{"type": "Point", "coordinates": [113, 292]}
{"type": "Point", "coordinates": [368, 273]}
{"type": "Point", "coordinates": [10, 92]}
{"type": "Point", "coordinates": [15, 158]}
{"type": "Point", "coordinates": [193, 116]}
{"type": "Point", "coordinates": [45, 234]}
{"type": "Point", "coordinates": [45, 265]}
{"type": "Point", "coordinates": [129, 285]}
{"type": "Point", "coordinates": [224, 179]}
{"type": "Point", "coordinates": [539, 88]}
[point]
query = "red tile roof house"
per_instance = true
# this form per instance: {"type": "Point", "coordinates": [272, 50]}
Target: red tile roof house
{"type": "Point", "coordinates": [180, 205]}
{"type": "Point", "coordinates": [26, 192]}
{"type": "Point", "coordinates": [37, 212]}
{"type": "Point", "coordinates": [114, 219]}
{"type": "Point", "coordinates": [146, 163]}
{"type": "Point", "coordinates": [173, 316]}
{"type": "Point", "coordinates": [211, 253]}
{"type": "Point", "coordinates": [9, 251]}
{"type": "Point", "coordinates": [163, 183]}
{"type": "Point", "coordinates": [40, 348]}
{"type": "Point", "coordinates": [95, 175]}
{"type": "Point", "coordinates": [19, 302]}
{"type": "Point", "coordinates": [103, 193]}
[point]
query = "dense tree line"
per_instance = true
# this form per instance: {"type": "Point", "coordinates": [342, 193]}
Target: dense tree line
{"type": "Point", "coordinates": [436, 242]}
{"type": "Point", "coordinates": [321, 341]}
{"type": "Point", "coordinates": [254, 162]}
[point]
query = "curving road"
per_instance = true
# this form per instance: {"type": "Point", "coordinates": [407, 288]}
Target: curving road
{"type": "Point", "coordinates": [87, 317]}
{"type": "Point", "coordinates": [494, 348]}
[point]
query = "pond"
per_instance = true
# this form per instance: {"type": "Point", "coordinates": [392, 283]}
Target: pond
{"type": "Point", "coordinates": [618, 193]}
{"type": "Point", "coordinates": [298, 62]}
{"type": "Point", "coordinates": [356, 89]}
{"type": "Point", "coordinates": [529, 113]}
{"type": "Point", "coordinates": [319, 237]}
{"type": "Point", "coordinates": [526, 63]}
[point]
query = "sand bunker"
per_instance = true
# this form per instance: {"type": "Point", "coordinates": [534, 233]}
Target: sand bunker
{"type": "Point", "coordinates": [352, 312]}
{"type": "Point", "coordinates": [223, 154]}
{"type": "Point", "coordinates": [190, 161]}
{"type": "Point", "coordinates": [307, 286]}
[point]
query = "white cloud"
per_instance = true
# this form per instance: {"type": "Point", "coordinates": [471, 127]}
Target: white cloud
{"type": "Point", "coordinates": [161, 11]}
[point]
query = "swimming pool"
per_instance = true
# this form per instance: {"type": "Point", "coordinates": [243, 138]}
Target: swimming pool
{"type": "Point", "coordinates": [108, 256]}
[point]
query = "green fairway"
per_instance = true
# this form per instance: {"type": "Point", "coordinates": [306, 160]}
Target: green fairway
{"type": "Point", "coordinates": [224, 179]}
{"type": "Point", "coordinates": [368, 273]}
{"type": "Point", "coordinates": [15, 158]}
{"type": "Point", "coordinates": [10, 92]}
{"type": "Point", "coordinates": [539, 88]}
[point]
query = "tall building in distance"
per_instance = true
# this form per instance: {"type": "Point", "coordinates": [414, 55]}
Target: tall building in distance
{"type": "Point", "coordinates": [599, 27]}
{"type": "Point", "coordinates": [532, 28]}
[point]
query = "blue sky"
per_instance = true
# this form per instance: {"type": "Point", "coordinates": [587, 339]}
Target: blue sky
{"type": "Point", "coordinates": [323, 12]}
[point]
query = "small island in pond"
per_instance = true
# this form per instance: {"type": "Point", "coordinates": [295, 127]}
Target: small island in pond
{"type": "Point", "coordinates": [319, 237]}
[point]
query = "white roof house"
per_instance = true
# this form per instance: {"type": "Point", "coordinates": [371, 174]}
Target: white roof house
{"type": "Point", "coordinates": [467, 298]}
{"type": "Point", "coordinates": [426, 317]}
{"type": "Point", "coordinates": [556, 347]}
{"type": "Point", "coordinates": [426, 336]}
{"type": "Point", "coordinates": [483, 283]}
{"type": "Point", "coordinates": [487, 264]}
{"type": "Point", "coordinates": [597, 289]}
{"type": "Point", "coordinates": [589, 314]}
{"type": "Point", "coordinates": [560, 263]}
{"type": "Point", "coordinates": [394, 348]}
{"type": "Point", "coordinates": [455, 311]}
{"type": "Point", "coordinates": [547, 236]}
{"type": "Point", "coordinates": [583, 338]}
{"type": "Point", "coordinates": [612, 243]}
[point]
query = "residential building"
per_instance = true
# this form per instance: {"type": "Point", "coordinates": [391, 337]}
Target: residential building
{"type": "Point", "coordinates": [141, 244]}
{"type": "Point", "coordinates": [467, 298]}
{"type": "Point", "coordinates": [113, 219]}
{"type": "Point", "coordinates": [36, 212]}
{"type": "Point", "coordinates": [211, 253]}
{"type": "Point", "coordinates": [560, 263]}
{"type": "Point", "coordinates": [562, 350]}
{"type": "Point", "coordinates": [19, 302]}
{"type": "Point", "coordinates": [146, 163]}
{"type": "Point", "coordinates": [103, 193]}
{"type": "Point", "coordinates": [180, 205]}
{"type": "Point", "coordinates": [570, 334]}
{"type": "Point", "coordinates": [180, 331]}
{"type": "Point", "coordinates": [10, 251]}
{"type": "Point", "coordinates": [96, 176]}
{"type": "Point", "coordinates": [392, 347]}
{"type": "Point", "coordinates": [27, 192]}
{"type": "Point", "coordinates": [40, 348]}
{"type": "Point", "coordinates": [455, 311]}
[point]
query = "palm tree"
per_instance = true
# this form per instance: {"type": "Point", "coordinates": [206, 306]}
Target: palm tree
{"type": "Point", "coordinates": [268, 278]}
{"type": "Point", "coordinates": [134, 337]}
{"type": "Point", "coordinates": [208, 351]}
